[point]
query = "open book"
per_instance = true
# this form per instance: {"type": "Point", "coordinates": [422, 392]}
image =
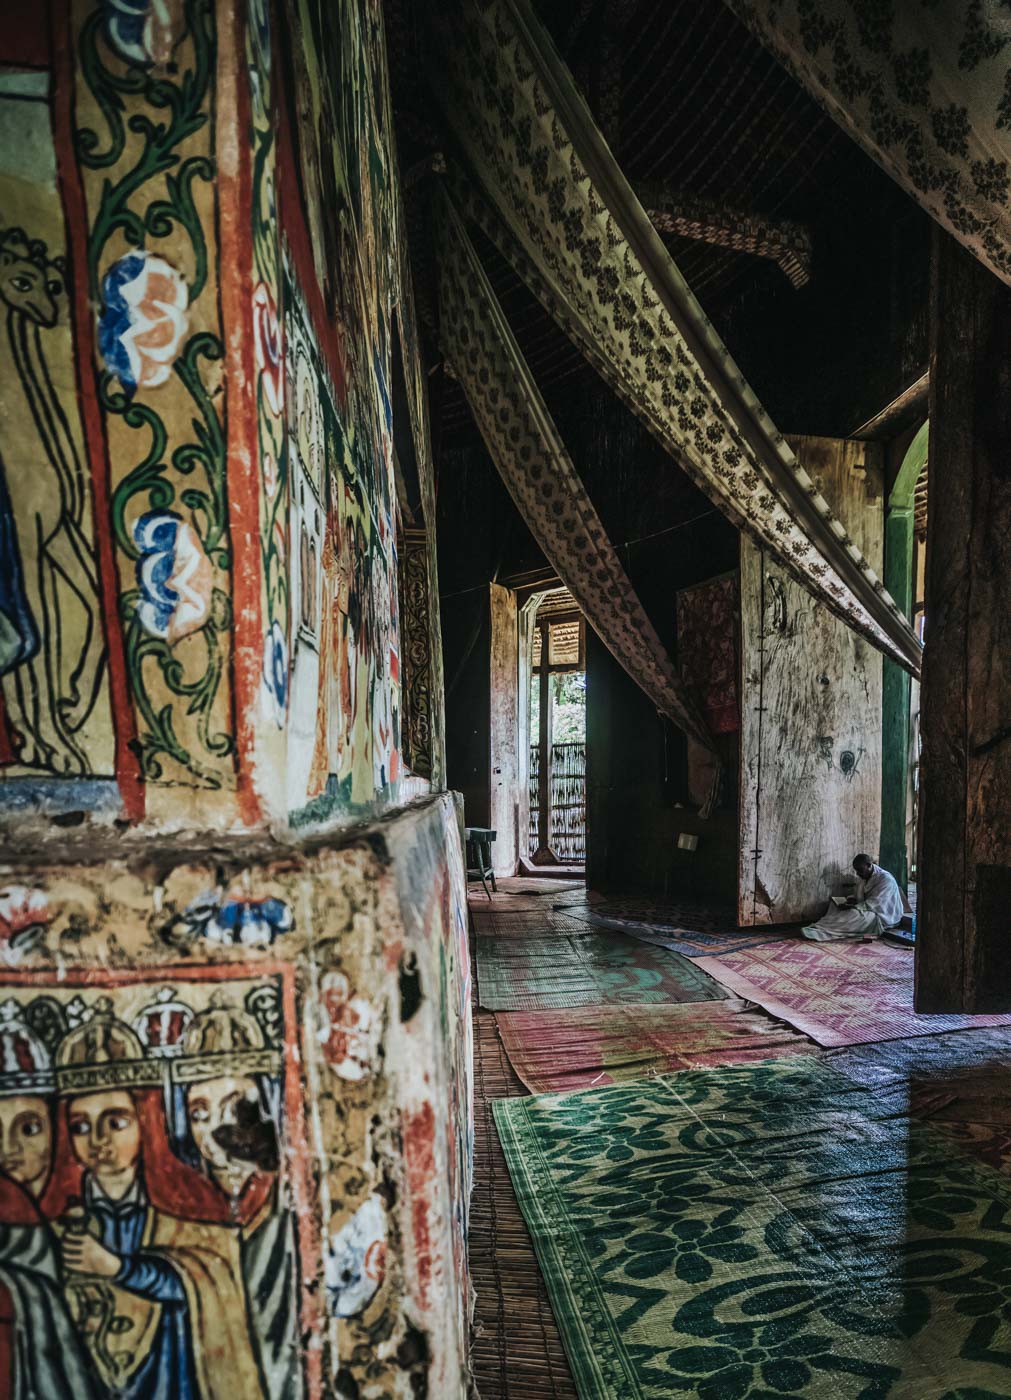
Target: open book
{"type": "Point", "coordinates": [839, 900]}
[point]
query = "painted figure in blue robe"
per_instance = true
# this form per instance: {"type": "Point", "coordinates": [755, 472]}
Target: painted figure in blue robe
{"type": "Point", "coordinates": [152, 1271]}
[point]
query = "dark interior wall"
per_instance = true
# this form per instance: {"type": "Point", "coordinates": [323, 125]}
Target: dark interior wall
{"type": "Point", "coordinates": [669, 537]}
{"type": "Point", "coordinates": [481, 538]}
{"type": "Point", "coordinates": [823, 359]}
{"type": "Point", "coordinates": [827, 357]}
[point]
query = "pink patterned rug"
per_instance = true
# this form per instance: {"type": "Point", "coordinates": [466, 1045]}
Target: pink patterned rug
{"type": "Point", "coordinates": [837, 993]}
{"type": "Point", "coordinates": [584, 1047]}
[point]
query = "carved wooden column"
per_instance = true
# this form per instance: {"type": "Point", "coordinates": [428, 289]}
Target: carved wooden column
{"type": "Point", "coordinates": [963, 957]}
{"type": "Point", "coordinates": [415, 652]}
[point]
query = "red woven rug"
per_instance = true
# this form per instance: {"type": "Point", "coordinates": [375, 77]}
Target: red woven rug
{"type": "Point", "coordinates": [837, 993]}
{"type": "Point", "coordinates": [586, 1046]}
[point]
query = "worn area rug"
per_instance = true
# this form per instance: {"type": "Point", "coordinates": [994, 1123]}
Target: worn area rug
{"type": "Point", "coordinates": [960, 1081]}
{"type": "Point", "coordinates": [837, 993]}
{"type": "Point", "coordinates": [671, 914]}
{"type": "Point", "coordinates": [695, 929]}
{"type": "Point", "coordinates": [526, 974]}
{"type": "Point", "coordinates": [759, 1231]}
{"type": "Point", "coordinates": [690, 943]}
{"type": "Point", "coordinates": [558, 1051]}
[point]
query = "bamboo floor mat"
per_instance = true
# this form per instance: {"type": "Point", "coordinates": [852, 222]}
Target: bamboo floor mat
{"type": "Point", "coordinates": [517, 1353]}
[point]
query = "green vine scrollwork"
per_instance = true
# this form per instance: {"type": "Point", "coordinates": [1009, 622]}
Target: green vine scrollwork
{"type": "Point", "coordinates": [148, 194]}
{"type": "Point", "coordinates": [267, 274]}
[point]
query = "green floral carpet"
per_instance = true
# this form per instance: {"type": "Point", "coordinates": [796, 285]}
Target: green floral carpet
{"type": "Point", "coordinates": [763, 1231]}
{"type": "Point", "coordinates": [532, 973]}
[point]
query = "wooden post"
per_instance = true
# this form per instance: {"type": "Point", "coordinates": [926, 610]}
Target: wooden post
{"type": "Point", "coordinates": [895, 702]}
{"type": "Point", "coordinates": [964, 867]}
{"type": "Point", "coordinates": [544, 855]}
{"type": "Point", "coordinates": [895, 697]}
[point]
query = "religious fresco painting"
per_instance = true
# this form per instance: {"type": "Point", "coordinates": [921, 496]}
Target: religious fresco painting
{"type": "Point", "coordinates": [144, 132]}
{"type": "Point", "coordinates": [146, 1146]}
{"type": "Point", "coordinates": [128, 679]}
{"type": "Point", "coordinates": [235, 1121]}
{"type": "Point", "coordinates": [55, 716]}
{"type": "Point", "coordinates": [344, 735]}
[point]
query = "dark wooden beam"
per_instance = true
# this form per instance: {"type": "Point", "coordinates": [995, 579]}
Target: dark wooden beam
{"type": "Point", "coordinates": [963, 958]}
{"type": "Point", "coordinates": [901, 413]}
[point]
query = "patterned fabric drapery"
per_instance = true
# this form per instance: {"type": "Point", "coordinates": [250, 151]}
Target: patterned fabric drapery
{"type": "Point", "coordinates": [589, 252]}
{"type": "Point", "coordinates": [924, 88]}
{"type": "Point", "coordinates": [538, 473]}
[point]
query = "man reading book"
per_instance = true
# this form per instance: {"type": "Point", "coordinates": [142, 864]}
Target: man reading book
{"type": "Point", "coordinates": [877, 906]}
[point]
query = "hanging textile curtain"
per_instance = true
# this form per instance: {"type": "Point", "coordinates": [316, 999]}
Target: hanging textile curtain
{"type": "Point", "coordinates": [538, 473]}
{"type": "Point", "coordinates": [600, 269]}
{"type": "Point", "coordinates": [924, 88]}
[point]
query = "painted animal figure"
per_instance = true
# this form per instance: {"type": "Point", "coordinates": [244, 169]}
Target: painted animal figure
{"type": "Point", "coordinates": [50, 680]}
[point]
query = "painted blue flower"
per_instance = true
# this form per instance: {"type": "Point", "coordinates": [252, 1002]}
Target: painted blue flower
{"type": "Point", "coordinates": [139, 30]}
{"type": "Point", "coordinates": [275, 671]}
{"type": "Point", "coordinates": [143, 319]}
{"type": "Point", "coordinates": [174, 576]}
{"type": "Point", "coordinates": [249, 922]}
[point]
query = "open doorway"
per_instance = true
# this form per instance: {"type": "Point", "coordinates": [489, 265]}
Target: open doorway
{"type": "Point", "coordinates": [557, 767]}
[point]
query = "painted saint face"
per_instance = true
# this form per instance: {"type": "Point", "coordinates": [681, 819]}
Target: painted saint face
{"type": "Point", "coordinates": [106, 1138]}
{"type": "Point", "coordinates": [214, 1104]}
{"type": "Point", "coordinates": [26, 1141]}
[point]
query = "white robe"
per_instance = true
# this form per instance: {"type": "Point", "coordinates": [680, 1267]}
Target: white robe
{"type": "Point", "coordinates": [879, 907]}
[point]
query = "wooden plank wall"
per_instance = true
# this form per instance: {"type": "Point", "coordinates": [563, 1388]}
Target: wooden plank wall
{"type": "Point", "coordinates": [810, 785]}
{"type": "Point", "coordinates": [504, 759]}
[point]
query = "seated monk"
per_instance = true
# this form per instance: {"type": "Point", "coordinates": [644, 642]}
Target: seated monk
{"type": "Point", "coordinates": [876, 907]}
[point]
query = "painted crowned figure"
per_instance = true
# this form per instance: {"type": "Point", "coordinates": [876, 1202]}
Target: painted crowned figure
{"type": "Point", "coordinates": [40, 1352]}
{"type": "Point", "coordinates": [231, 1093]}
{"type": "Point", "coordinates": [152, 1276]}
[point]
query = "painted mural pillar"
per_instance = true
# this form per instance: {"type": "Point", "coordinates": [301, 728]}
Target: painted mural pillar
{"type": "Point", "coordinates": [964, 865]}
{"type": "Point", "coordinates": [199, 614]}
{"type": "Point", "coordinates": [200, 655]}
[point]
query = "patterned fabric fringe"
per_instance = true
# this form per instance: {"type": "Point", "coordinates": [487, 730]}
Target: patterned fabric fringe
{"type": "Point", "coordinates": [525, 446]}
{"type": "Point", "coordinates": [924, 89]}
{"type": "Point", "coordinates": [581, 240]}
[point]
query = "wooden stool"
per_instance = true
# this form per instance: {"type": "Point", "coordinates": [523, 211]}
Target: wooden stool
{"type": "Point", "coordinates": [479, 839]}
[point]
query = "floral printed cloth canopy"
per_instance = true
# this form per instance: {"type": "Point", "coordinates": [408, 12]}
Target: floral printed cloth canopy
{"type": "Point", "coordinates": [531, 458]}
{"type": "Point", "coordinates": [565, 216]}
{"type": "Point", "coordinates": [924, 88]}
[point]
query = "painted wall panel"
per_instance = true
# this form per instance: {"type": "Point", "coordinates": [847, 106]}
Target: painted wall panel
{"type": "Point", "coordinates": [204, 252]}
{"type": "Point", "coordinates": [267, 1051]}
{"type": "Point", "coordinates": [810, 786]}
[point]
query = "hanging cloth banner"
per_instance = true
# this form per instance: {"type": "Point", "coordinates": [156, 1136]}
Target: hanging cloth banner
{"type": "Point", "coordinates": [524, 443]}
{"type": "Point", "coordinates": [591, 255]}
{"type": "Point", "coordinates": [924, 88]}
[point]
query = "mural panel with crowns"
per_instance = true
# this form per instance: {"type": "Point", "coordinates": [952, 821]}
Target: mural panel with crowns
{"type": "Point", "coordinates": [252, 1137]}
{"type": "Point", "coordinates": [150, 1123]}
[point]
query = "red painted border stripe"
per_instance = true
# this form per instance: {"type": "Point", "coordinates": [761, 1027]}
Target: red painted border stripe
{"type": "Point", "coordinates": [235, 237]}
{"type": "Point", "coordinates": [295, 232]}
{"type": "Point", "coordinates": [128, 775]}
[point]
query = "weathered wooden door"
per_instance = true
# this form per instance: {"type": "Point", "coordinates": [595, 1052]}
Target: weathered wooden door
{"type": "Point", "coordinates": [810, 786]}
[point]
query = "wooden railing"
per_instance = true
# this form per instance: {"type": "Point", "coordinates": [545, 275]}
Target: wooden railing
{"type": "Point", "coordinates": [568, 801]}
